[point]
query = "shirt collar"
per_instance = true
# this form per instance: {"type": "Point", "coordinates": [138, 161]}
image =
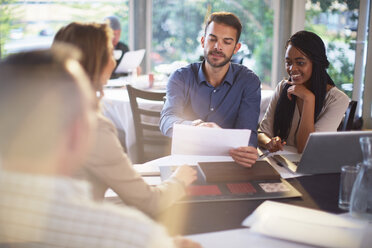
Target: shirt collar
{"type": "Point", "coordinates": [229, 78]}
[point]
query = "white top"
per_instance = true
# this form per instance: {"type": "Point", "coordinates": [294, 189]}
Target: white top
{"type": "Point", "coordinates": [335, 105]}
{"type": "Point", "coordinates": [41, 211]}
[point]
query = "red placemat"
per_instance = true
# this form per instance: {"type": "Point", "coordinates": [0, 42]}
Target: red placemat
{"type": "Point", "coordinates": [199, 190]}
{"type": "Point", "coordinates": [240, 188]}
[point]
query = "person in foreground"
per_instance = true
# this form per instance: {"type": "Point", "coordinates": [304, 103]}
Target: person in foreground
{"type": "Point", "coordinates": [216, 92]}
{"type": "Point", "coordinates": [107, 165]}
{"type": "Point", "coordinates": [49, 108]}
{"type": "Point", "coordinates": [307, 102]}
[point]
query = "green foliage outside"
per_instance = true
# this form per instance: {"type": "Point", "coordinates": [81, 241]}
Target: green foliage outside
{"type": "Point", "coordinates": [6, 10]}
{"type": "Point", "coordinates": [12, 17]}
{"type": "Point", "coordinates": [341, 67]}
{"type": "Point", "coordinates": [179, 25]}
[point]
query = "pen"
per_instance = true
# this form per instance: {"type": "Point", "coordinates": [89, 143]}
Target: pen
{"type": "Point", "coordinates": [263, 155]}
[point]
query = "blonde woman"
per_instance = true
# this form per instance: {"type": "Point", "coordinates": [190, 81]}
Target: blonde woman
{"type": "Point", "coordinates": [108, 166]}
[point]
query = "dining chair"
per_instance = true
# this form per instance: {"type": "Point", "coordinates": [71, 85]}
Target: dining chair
{"type": "Point", "coordinates": [347, 122]}
{"type": "Point", "coordinates": [146, 107]}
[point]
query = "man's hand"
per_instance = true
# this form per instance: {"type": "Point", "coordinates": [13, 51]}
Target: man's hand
{"type": "Point", "coordinates": [200, 123]}
{"type": "Point", "coordinates": [182, 242]}
{"type": "Point", "coordinates": [209, 124]}
{"type": "Point", "coordinates": [245, 155]}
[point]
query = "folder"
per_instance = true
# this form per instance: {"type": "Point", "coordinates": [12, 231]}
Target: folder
{"type": "Point", "coordinates": [214, 172]}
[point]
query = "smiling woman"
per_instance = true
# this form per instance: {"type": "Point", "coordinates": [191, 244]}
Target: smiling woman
{"type": "Point", "coordinates": [307, 102]}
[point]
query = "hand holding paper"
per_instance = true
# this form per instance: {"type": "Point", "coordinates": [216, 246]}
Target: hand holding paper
{"type": "Point", "coordinates": [191, 140]}
{"type": "Point", "coordinates": [245, 156]}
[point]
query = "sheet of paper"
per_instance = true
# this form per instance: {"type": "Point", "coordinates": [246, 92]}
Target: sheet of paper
{"type": "Point", "coordinates": [116, 83]}
{"type": "Point", "coordinates": [191, 140]}
{"type": "Point", "coordinates": [290, 152]}
{"type": "Point", "coordinates": [241, 238]}
{"type": "Point", "coordinates": [150, 180]}
{"type": "Point", "coordinates": [147, 170]}
{"type": "Point", "coordinates": [283, 171]}
{"type": "Point", "coordinates": [185, 159]}
{"type": "Point", "coordinates": [305, 225]}
{"type": "Point", "coordinates": [130, 61]}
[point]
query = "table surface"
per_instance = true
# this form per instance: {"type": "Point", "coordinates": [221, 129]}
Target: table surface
{"type": "Point", "coordinates": [319, 192]}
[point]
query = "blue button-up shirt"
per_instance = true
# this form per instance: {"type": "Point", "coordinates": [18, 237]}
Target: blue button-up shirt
{"type": "Point", "coordinates": [235, 103]}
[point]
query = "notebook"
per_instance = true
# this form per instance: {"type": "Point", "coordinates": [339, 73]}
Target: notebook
{"type": "Point", "coordinates": [325, 152]}
{"type": "Point", "coordinates": [214, 172]}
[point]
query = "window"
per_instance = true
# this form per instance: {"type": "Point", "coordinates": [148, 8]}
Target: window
{"type": "Point", "coordinates": [336, 23]}
{"type": "Point", "coordinates": [179, 25]}
{"type": "Point", "coordinates": [31, 24]}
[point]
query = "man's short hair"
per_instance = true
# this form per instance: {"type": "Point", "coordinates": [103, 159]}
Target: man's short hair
{"type": "Point", "coordinates": [114, 22]}
{"type": "Point", "coordinates": [42, 94]}
{"type": "Point", "coordinates": [226, 18]}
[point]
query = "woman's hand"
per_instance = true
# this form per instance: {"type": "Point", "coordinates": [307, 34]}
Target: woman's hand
{"type": "Point", "coordinates": [275, 144]}
{"type": "Point", "coordinates": [185, 174]}
{"type": "Point", "coordinates": [245, 155]}
{"type": "Point", "coordinates": [300, 91]}
{"type": "Point", "coordinates": [182, 242]}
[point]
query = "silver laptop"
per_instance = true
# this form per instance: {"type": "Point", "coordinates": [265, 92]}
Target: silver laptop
{"type": "Point", "coordinates": [325, 152]}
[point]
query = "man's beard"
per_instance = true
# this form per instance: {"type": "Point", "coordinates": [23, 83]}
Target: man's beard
{"type": "Point", "coordinates": [213, 64]}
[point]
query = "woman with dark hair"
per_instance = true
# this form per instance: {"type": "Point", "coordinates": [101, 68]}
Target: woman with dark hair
{"type": "Point", "coordinates": [307, 102]}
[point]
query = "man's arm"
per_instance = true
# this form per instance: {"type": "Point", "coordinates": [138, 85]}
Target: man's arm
{"type": "Point", "coordinates": [249, 109]}
{"type": "Point", "coordinates": [174, 105]}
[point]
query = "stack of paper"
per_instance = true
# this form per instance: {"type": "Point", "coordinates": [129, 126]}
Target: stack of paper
{"type": "Point", "coordinates": [307, 226]}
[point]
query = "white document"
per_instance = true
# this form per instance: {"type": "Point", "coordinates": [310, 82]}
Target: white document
{"type": "Point", "coordinates": [185, 159]}
{"type": "Point", "coordinates": [290, 152]}
{"type": "Point", "coordinates": [306, 225]}
{"type": "Point", "coordinates": [116, 83]}
{"type": "Point", "coordinates": [147, 170]}
{"type": "Point", "coordinates": [130, 61]}
{"type": "Point", "coordinates": [205, 141]}
{"type": "Point", "coordinates": [241, 238]}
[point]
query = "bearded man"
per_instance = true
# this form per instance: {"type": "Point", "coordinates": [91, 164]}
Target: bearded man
{"type": "Point", "coordinates": [216, 92]}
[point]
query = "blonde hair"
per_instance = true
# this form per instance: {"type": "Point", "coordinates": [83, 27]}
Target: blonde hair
{"type": "Point", "coordinates": [95, 42]}
{"type": "Point", "coordinates": [42, 93]}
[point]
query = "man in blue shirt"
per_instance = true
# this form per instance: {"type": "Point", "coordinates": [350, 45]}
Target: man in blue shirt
{"type": "Point", "coordinates": [215, 92]}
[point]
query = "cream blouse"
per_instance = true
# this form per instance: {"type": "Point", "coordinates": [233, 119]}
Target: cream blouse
{"type": "Point", "coordinates": [108, 166]}
{"type": "Point", "coordinates": [335, 105]}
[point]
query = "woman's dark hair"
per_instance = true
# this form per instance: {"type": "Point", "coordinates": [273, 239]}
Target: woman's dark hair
{"type": "Point", "coordinates": [312, 46]}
